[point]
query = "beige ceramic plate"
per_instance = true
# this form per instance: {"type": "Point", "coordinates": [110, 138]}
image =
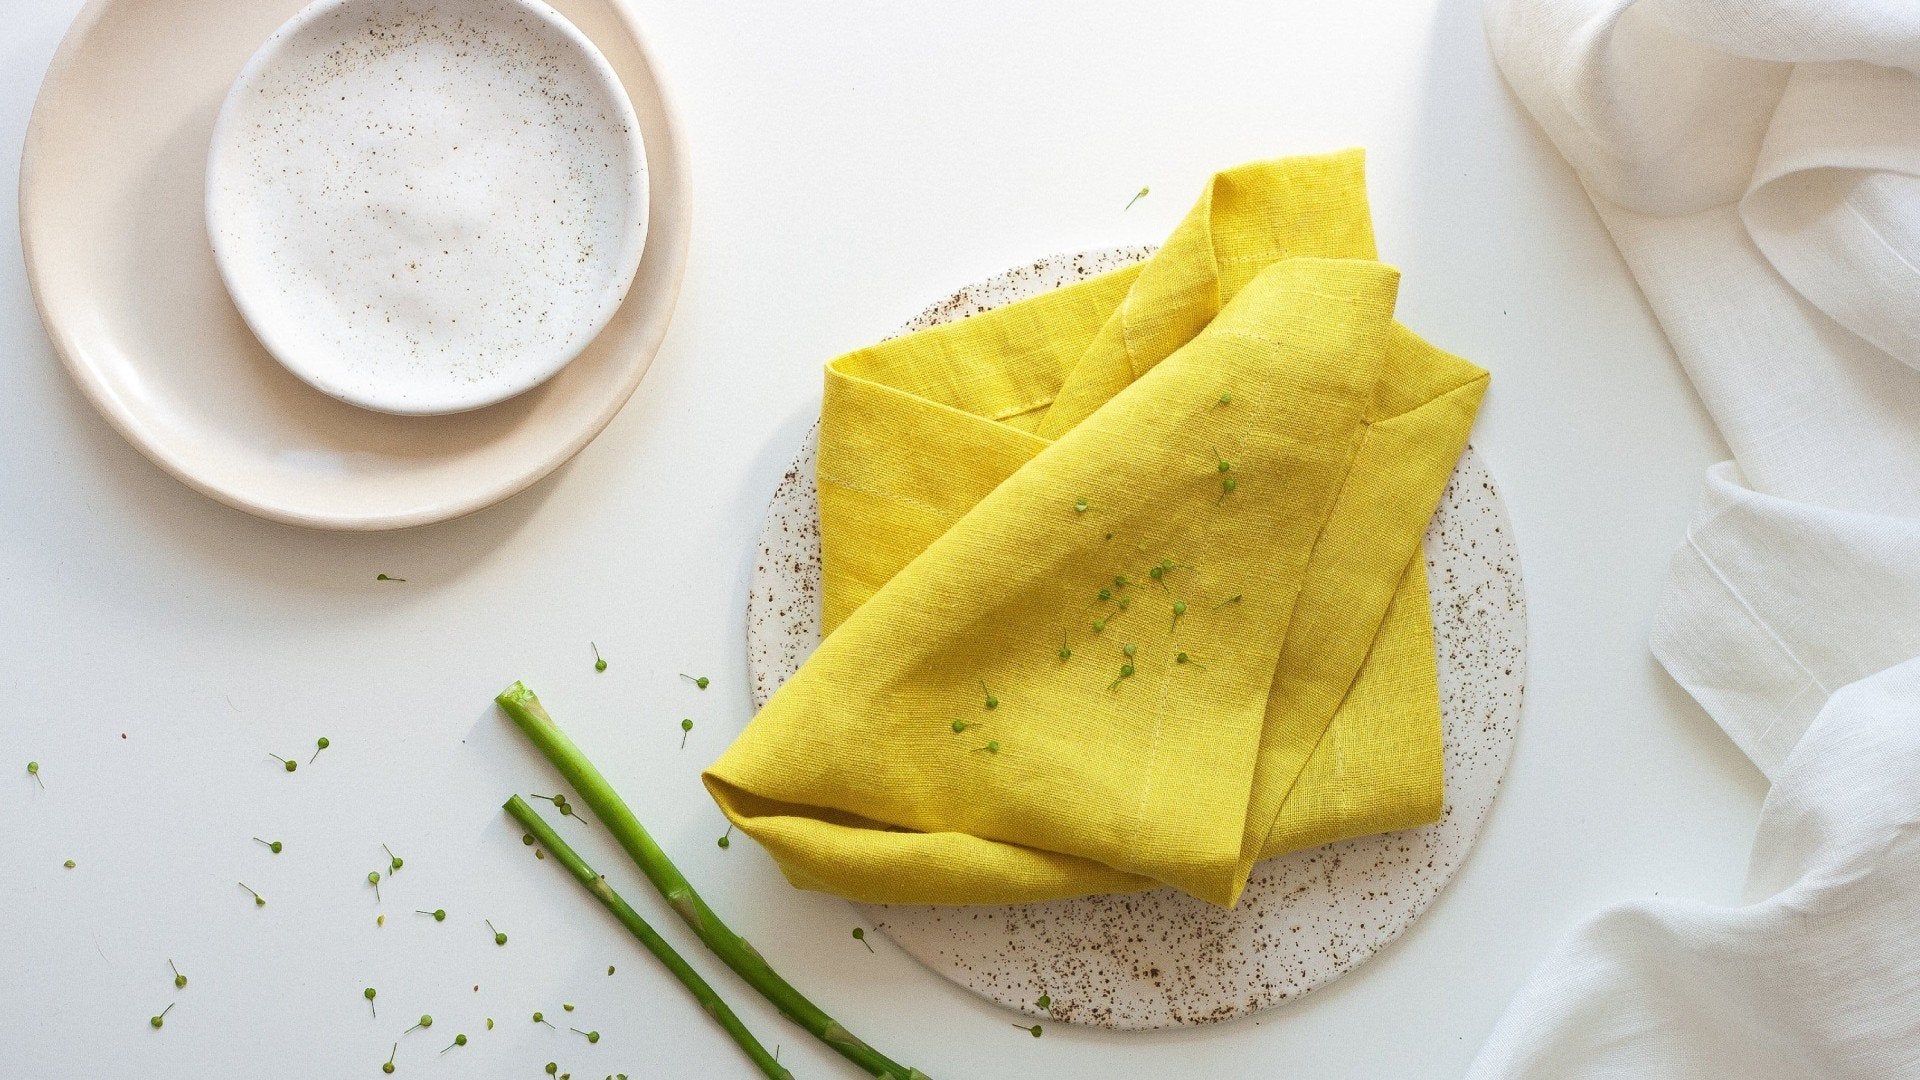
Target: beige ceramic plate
{"type": "Point", "coordinates": [111, 219]}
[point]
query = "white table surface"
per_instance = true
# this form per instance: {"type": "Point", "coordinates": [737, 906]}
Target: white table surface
{"type": "Point", "coordinates": [852, 162]}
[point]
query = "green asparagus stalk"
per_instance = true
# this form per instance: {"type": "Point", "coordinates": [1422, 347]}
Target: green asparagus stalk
{"type": "Point", "coordinates": [520, 704]}
{"type": "Point", "coordinates": [596, 884]}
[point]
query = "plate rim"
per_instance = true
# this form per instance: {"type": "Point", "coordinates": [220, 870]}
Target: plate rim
{"type": "Point", "coordinates": [671, 166]}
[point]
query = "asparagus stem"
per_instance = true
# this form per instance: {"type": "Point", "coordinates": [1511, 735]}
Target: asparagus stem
{"type": "Point", "coordinates": [525, 710]}
{"type": "Point", "coordinates": [596, 884]}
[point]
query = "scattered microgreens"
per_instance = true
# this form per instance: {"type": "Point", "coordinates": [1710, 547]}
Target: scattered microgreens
{"type": "Point", "coordinates": [369, 994]}
{"type": "Point", "coordinates": [1105, 595]}
{"type": "Point", "coordinates": [425, 1022]}
{"type": "Point", "coordinates": [726, 839]}
{"type": "Point", "coordinates": [527, 838]}
{"type": "Point", "coordinates": [552, 1068]}
{"type": "Point", "coordinates": [1123, 602]}
{"type": "Point", "coordinates": [1179, 609]}
{"type": "Point", "coordinates": [991, 701]}
{"type": "Point", "coordinates": [1226, 398]}
{"type": "Point", "coordinates": [1119, 582]}
{"type": "Point", "coordinates": [319, 744]}
{"type": "Point", "coordinates": [387, 577]}
{"type": "Point", "coordinates": [560, 803]}
{"type": "Point", "coordinates": [498, 937]}
{"type": "Point", "coordinates": [33, 770]}
{"type": "Point", "coordinates": [567, 1005]}
{"type": "Point", "coordinates": [388, 1067]}
{"type": "Point", "coordinates": [1033, 1031]}
{"type": "Point", "coordinates": [697, 680]}
{"type": "Point", "coordinates": [960, 726]}
{"type": "Point", "coordinates": [161, 1019]}
{"type": "Point", "coordinates": [591, 1036]}
{"type": "Point", "coordinates": [686, 728]}
{"type": "Point", "coordinates": [1226, 488]}
{"type": "Point", "coordinates": [290, 764]}
{"type": "Point", "coordinates": [992, 747]}
{"type": "Point", "coordinates": [1044, 1001]}
{"type": "Point", "coordinates": [1234, 599]}
{"type": "Point", "coordinates": [439, 914]}
{"type": "Point", "coordinates": [69, 864]}
{"type": "Point", "coordinates": [271, 845]}
{"type": "Point", "coordinates": [860, 936]}
{"type": "Point", "coordinates": [1183, 658]}
{"type": "Point", "coordinates": [1065, 652]}
{"type": "Point", "coordinates": [373, 879]}
{"type": "Point", "coordinates": [1163, 568]}
{"type": "Point", "coordinates": [599, 662]}
{"type": "Point", "coordinates": [394, 862]}
{"type": "Point", "coordinates": [258, 900]}
{"type": "Point", "coordinates": [458, 1040]}
{"type": "Point", "coordinates": [540, 1018]}
{"type": "Point", "coordinates": [489, 1023]}
{"type": "Point", "coordinates": [380, 919]}
{"type": "Point", "coordinates": [1137, 196]}
{"type": "Point", "coordinates": [1126, 672]}
{"type": "Point", "coordinates": [1099, 625]}
{"type": "Point", "coordinates": [179, 980]}
{"type": "Point", "coordinates": [1127, 649]}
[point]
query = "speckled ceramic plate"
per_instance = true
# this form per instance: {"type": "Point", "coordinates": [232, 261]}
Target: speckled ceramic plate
{"type": "Point", "coordinates": [113, 226]}
{"type": "Point", "coordinates": [426, 207]}
{"type": "Point", "coordinates": [1162, 958]}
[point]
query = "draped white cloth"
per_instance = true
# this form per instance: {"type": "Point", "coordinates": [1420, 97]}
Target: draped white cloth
{"type": "Point", "coordinates": [1758, 164]}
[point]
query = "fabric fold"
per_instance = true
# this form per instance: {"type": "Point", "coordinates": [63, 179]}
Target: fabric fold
{"type": "Point", "coordinates": [1122, 583]}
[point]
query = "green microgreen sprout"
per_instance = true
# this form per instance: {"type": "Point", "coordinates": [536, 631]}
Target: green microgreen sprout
{"type": "Point", "coordinates": [1105, 595]}
{"type": "Point", "coordinates": [699, 681]}
{"type": "Point", "coordinates": [541, 1018]}
{"type": "Point", "coordinates": [1099, 625]}
{"type": "Point", "coordinates": [387, 577]}
{"type": "Point", "coordinates": [686, 729]}
{"type": "Point", "coordinates": [1065, 652]}
{"type": "Point", "coordinates": [394, 862]}
{"type": "Point", "coordinates": [458, 1040]}
{"type": "Point", "coordinates": [271, 845]}
{"type": "Point", "coordinates": [609, 969]}
{"type": "Point", "coordinates": [1226, 488]}
{"type": "Point", "coordinates": [567, 1005]}
{"type": "Point", "coordinates": [991, 701]}
{"type": "Point", "coordinates": [425, 1022]}
{"type": "Point", "coordinates": [560, 803]}
{"type": "Point", "coordinates": [373, 879]}
{"type": "Point", "coordinates": [1126, 672]}
{"type": "Point", "coordinates": [860, 935]}
{"type": "Point", "coordinates": [258, 900]}
{"type": "Point", "coordinates": [290, 764]}
{"type": "Point", "coordinates": [161, 1019]}
{"type": "Point", "coordinates": [1123, 602]}
{"type": "Point", "coordinates": [1033, 1031]}
{"type": "Point", "coordinates": [319, 744]}
{"type": "Point", "coordinates": [1137, 196]}
{"type": "Point", "coordinates": [591, 1036]}
{"type": "Point", "coordinates": [391, 1054]}
{"type": "Point", "coordinates": [527, 838]}
{"type": "Point", "coordinates": [1119, 582]}
{"type": "Point", "coordinates": [1226, 397]}
{"type": "Point", "coordinates": [489, 1023]}
{"type": "Point", "coordinates": [370, 993]}
{"type": "Point", "coordinates": [1222, 464]}
{"type": "Point", "coordinates": [498, 937]}
{"type": "Point", "coordinates": [959, 726]}
{"type": "Point", "coordinates": [1044, 1001]}
{"type": "Point", "coordinates": [599, 662]}
{"type": "Point", "coordinates": [69, 864]}
{"type": "Point", "coordinates": [552, 1068]}
{"type": "Point", "coordinates": [992, 747]}
{"type": "Point", "coordinates": [33, 770]}
{"type": "Point", "coordinates": [1183, 658]}
{"type": "Point", "coordinates": [1163, 568]}
{"type": "Point", "coordinates": [1234, 599]}
{"type": "Point", "coordinates": [439, 914]}
{"type": "Point", "coordinates": [1179, 609]}
{"type": "Point", "coordinates": [726, 839]}
{"type": "Point", "coordinates": [1127, 650]}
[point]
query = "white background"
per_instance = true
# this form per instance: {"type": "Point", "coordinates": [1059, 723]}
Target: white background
{"type": "Point", "coordinates": [852, 162]}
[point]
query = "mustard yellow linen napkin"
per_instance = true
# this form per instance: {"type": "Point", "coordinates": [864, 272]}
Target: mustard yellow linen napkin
{"type": "Point", "coordinates": [1123, 583]}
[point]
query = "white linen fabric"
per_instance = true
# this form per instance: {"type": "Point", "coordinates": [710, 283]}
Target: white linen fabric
{"type": "Point", "coordinates": [1758, 164]}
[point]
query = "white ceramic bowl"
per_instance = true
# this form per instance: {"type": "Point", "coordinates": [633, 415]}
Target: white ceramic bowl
{"type": "Point", "coordinates": [426, 206]}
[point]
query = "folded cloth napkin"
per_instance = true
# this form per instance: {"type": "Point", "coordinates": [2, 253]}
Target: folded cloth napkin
{"type": "Point", "coordinates": [1123, 583]}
